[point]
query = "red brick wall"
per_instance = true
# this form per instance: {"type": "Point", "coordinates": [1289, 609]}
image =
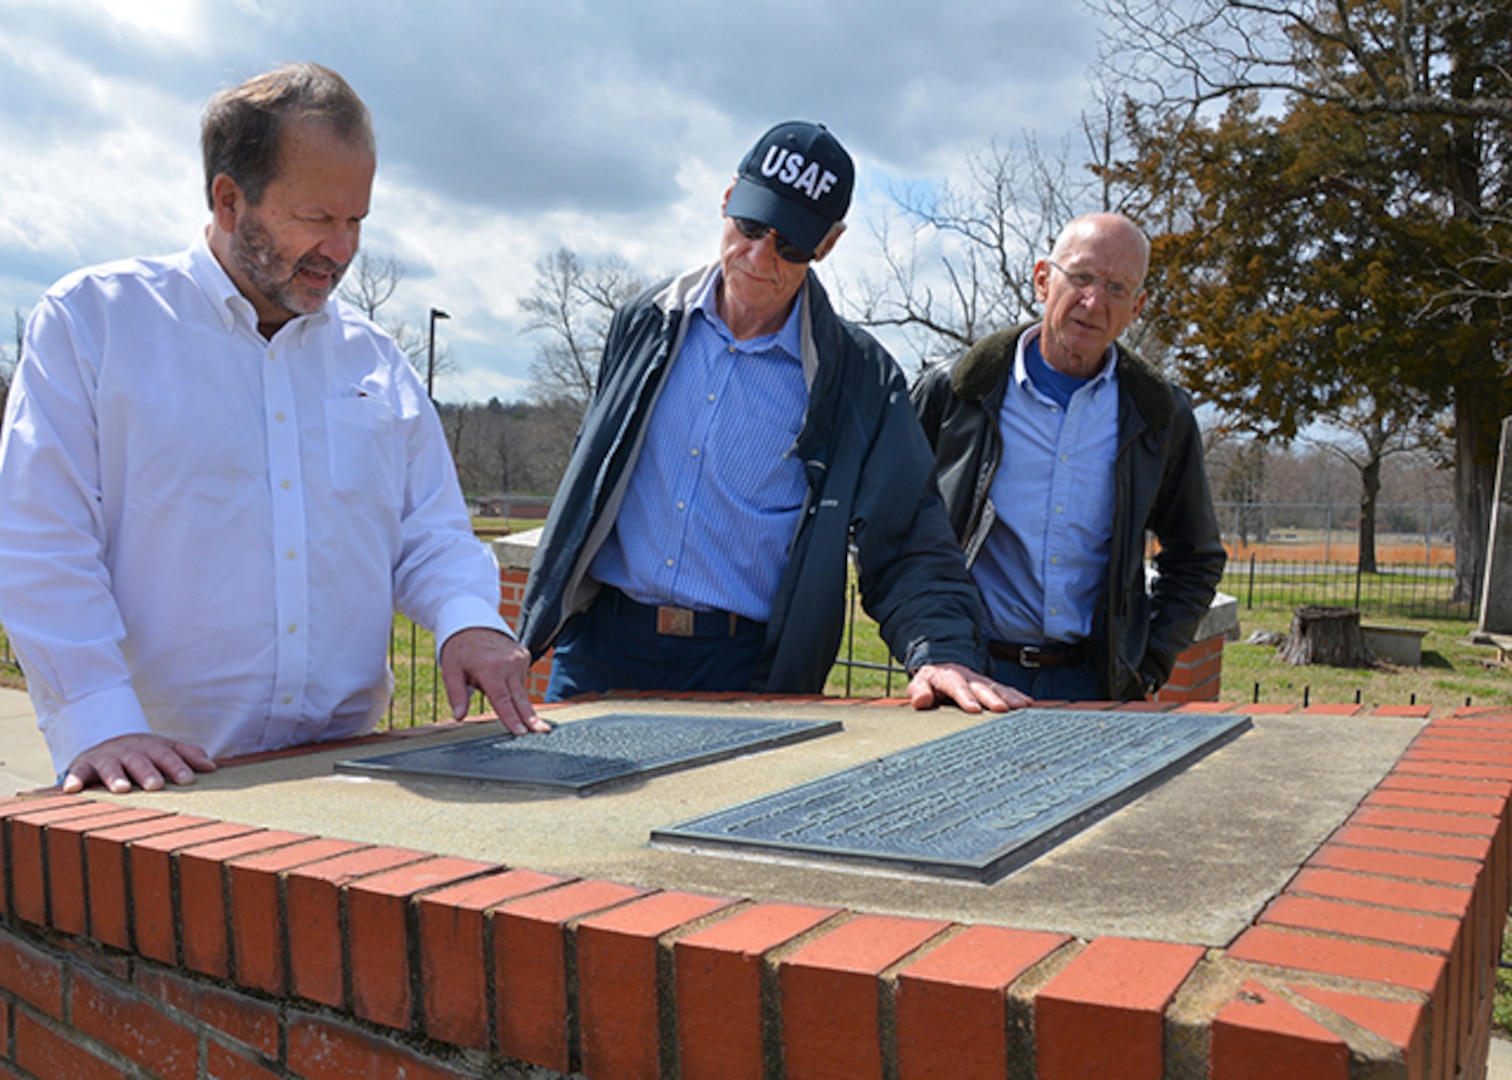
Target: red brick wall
{"type": "Point", "coordinates": [511, 592]}
{"type": "Point", "coordinates": [1198, 673]}
{"type": "Point", "coordinates": [135, 939]}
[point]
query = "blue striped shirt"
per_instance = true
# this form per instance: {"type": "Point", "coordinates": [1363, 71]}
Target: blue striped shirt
{"type": "Point", "coordinates": [714, 498]}
{"type": "Point", "coordinates": [1044, 566]}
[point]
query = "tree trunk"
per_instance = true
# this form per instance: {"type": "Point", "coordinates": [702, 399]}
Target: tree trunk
{"type": "Point", "coordinates": [1474, 482]}
{"type": "Point", "coordinates": [1326, 635]}
{"type": "Point", "coordinates": [1370, 493]}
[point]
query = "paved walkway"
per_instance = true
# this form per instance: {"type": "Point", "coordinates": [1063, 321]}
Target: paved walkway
{"type": "Point", "coordinates": [1499, 1063]}
{"type": "Point", "coordinates": [24, 761]}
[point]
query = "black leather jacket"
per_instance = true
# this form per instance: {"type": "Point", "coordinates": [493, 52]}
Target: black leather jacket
{"type": "Point", "coordinates": [869, 485]}
{"type": "Point", "coordinates": [1160, 485]}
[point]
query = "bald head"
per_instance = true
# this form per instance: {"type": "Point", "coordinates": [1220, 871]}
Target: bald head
{"type": "Point", "coordinates": [1092, 288]}
{"type": "Point", "coordinates": [1112, 232]}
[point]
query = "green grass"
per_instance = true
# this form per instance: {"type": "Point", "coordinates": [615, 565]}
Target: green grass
{"type": "Point", "coordinates": [419, 696]}
{"type": "Point", "coordinates": [1453, 670]}
{"type": "Point", "coordinates": [1501, 1005]}
{"type": "Point", "coordinates": [490, 527]}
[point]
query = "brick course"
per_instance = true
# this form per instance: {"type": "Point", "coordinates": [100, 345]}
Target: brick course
{"type": "Point", "coordinates": [1380, 951]}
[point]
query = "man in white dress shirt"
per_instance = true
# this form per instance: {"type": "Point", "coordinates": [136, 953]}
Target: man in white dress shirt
{"type": "Point", "coordinates": [219, 482]}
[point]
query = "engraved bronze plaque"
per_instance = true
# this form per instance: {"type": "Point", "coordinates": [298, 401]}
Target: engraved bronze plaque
{"type": "Point", "coordinates": [583, 756]}
{"type": "Point", "coordinates": [975, 805]}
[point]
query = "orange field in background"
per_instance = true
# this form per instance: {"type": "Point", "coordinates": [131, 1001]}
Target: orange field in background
{"type": "Point", "coordinates": [1342, 552]}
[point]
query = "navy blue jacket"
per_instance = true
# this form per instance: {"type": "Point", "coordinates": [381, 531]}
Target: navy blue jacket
{"type": "Point", "coordinates": [870, 486]}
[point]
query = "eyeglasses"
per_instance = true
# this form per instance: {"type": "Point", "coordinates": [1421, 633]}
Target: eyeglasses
{"type": "Point", "coordinates": [1116, 290]}
{"type": "Point", "coordinates": [786, 249]}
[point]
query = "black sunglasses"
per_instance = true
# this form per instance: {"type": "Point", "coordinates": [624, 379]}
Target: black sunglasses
{"type": "Point", "coordinates": [786, 249]}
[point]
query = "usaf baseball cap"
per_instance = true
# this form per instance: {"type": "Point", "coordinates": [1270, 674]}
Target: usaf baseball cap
{"type": "Point", "coordinates": [796, 179]}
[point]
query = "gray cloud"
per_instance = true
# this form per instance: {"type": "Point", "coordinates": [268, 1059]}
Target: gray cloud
{"type": "Point", "coordinates": [526, 106]}
{"type": "Point", "coordinates": [507, 127]}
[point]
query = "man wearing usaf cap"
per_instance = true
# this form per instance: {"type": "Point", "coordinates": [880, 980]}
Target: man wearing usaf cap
{"type": "Point", "coordinates": [741, 439]}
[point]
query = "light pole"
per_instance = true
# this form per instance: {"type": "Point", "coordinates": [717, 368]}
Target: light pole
{"type": "Point", "coordinates": [430, 367]}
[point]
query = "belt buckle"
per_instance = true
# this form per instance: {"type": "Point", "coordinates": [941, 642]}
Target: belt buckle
{"type": "Point", "coordinates": [1029, 656]}
{"type": "Point", "coordinates": [674, 621]}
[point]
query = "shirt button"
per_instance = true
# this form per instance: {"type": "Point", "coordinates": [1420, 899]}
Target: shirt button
{"type": "Point", "coordinates": [284, 484]}
{"type": "Point", "coordinates": [711, 397]}
{"type": "Point", "coordinates": [1058, 510]}
{"type": "Point", "coordinates": [670, 562]}
{"type": "Point", "coordinates": [293, 628]}
{"type": "Point", "coordinates": [1054, 559]}
{"type": "Point", "coordinates": [288, 699]}
{"type": "Point", "coordinates": [290, 555]}
{"type": "Point", "coordinates": [272, 354]}
{"type": "Point", "coordinates": [730, 349]}
{"type": "Point", "coordinates": [681, 505]}
{"type": "Point", "coordinates": [694, 451]}
{"type": "Point", "coordinates": [279, 417]}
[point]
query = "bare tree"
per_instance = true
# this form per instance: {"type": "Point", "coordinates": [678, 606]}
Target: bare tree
{"type": "Point", "coordinates": [964, 266]}
{"type": "Point", "coordinates": [982, 238]}
{"type": "Point", "coordinates": [1366, 59]}
{"type": "Point", "coordinates": [370, 283]}
{"type": "Point", "coordinates": [572, 303]}
{"type": "Point", "coordinates": [1376, 432]}
{"type": "Point", "coordinates": [511, 447]}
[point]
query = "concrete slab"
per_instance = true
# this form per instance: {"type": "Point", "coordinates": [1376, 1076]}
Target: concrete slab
{"type": "Point", "coordinates": [1499, 1061]}
{"type": "Point", "coordinates": [24, 761]}
{"type": "Point", "coordinates": [1193, 861]}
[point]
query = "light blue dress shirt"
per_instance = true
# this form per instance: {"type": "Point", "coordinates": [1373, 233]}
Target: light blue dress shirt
{"type": "Point", "coordinates": [1044, 566]}
{"type": "Point", "coordinates": [714, 498]}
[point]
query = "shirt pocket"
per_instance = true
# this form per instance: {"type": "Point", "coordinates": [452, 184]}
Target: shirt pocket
{"type": "Point", "coordinates": [759, 469]}
{"type": "Point", "coordinates": [366, 451]}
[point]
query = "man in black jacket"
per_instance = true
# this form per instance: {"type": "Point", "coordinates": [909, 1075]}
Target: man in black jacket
{"type": "Point", "coordinates": [1056, 450]}
{"type": "Point", "coordinates": [742, 438]}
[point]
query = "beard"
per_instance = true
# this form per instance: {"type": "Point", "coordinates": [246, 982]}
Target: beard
{"type": "Point", "coordinates": [277, 278]}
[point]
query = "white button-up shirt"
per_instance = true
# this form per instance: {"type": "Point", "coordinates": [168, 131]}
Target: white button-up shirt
{"type": "Point", "coordinates": [204, 533]}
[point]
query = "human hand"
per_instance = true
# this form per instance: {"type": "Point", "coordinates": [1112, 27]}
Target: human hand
{"type": "Point", "coordinates": [497, 665]}
{"type": "Point", "coordinates": [140, 758]}
{"type": "Point", "coordinates": [970, 690]}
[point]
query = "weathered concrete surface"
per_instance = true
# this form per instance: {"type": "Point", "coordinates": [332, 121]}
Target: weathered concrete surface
{"type": "Point", "coordinates": [1193, 861]}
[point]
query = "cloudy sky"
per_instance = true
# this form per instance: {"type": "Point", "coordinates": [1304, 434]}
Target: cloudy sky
{"type": "Point", "coordinates": [509, 128]}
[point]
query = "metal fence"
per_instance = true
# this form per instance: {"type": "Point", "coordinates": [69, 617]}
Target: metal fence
{"type": "Point", "coordinates": [1409, 591]}
{"type": "Point", "coordinates": [864, 668]}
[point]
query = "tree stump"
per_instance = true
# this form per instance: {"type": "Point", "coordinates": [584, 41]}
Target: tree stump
{"type": "Point", "coordinates": [1326, 635]}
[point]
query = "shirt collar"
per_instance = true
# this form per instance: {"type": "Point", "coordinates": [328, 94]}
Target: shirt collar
{"type": "Point", "coordinates": [1021, 372]}
{"type": "Point", "coordinates": [225, 297]}
{"type": "Point", "coordinates": [787, 338]}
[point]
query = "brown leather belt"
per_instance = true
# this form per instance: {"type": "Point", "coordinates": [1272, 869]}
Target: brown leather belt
{"type": "Point", "coordinates": [685, 622]}
{"type": "Point", "coordinates": [1039, 656]}
{"type": "Point", "coordinates": [670, 621]}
